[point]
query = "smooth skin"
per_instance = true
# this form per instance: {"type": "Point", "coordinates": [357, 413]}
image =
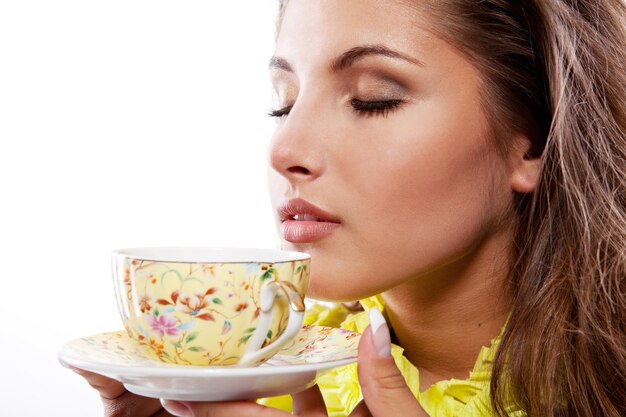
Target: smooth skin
{"type": "Point", "coordinates": [382, 124]}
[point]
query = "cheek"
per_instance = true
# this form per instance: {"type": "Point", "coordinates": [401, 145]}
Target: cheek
{"type": "Point", "coordinates": [415, 205]}
{"type": "Point", "coordinates": [429, 178]}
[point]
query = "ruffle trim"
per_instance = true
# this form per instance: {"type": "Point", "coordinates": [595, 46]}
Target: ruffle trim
{"type": "Point", "coordinates": [452, 398]}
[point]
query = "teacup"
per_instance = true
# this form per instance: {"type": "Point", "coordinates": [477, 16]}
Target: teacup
{"type": "Point", "coordinates": [211, 306]}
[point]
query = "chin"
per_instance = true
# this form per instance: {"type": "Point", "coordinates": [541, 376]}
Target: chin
{"type": "Point", "coordinates": [331, 279]}
{"type": "Point", "coordinates": [325, 289]}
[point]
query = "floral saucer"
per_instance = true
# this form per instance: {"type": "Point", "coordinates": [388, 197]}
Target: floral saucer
{"type": "Point", "coordinates": [314, 350]}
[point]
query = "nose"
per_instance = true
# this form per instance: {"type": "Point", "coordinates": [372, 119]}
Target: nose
{"type": "Point", "coordinates": [296, 151]}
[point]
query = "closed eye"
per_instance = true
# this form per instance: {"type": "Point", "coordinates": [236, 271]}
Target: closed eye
{"type": "Point", "coordinates": [280, 112]}
{"type": "Point", "coordinates": [375, 107]}
{"type": "Point", "coordinates": [367, 108]}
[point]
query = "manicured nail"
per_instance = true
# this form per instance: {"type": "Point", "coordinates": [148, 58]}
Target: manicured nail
{"type": "Point", "coordinates": [176, 408]}
{"type": "Point", "coordinates": [380, 333]}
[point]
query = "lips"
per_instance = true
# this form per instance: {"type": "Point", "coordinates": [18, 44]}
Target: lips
{"type": "Point", "coordinates": [303, 222]}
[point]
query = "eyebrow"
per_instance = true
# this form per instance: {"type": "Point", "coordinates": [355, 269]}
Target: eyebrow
{"type": "Point", "coordinates": [351, 56]}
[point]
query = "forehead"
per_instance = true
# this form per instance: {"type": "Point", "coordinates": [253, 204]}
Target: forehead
{"type": "Point", "coordinates": [313, 32]}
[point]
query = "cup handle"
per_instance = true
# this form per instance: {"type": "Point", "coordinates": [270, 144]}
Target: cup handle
{"type": "Point", "coordinates": [254, 353]}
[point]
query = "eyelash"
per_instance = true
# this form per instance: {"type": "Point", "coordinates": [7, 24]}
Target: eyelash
{"type": "Point", "coordinates": [365, 108]}
{"type": "Point", "coordinates": [376, 107]}
{"type": "Point", "coordinates": [280, 112]}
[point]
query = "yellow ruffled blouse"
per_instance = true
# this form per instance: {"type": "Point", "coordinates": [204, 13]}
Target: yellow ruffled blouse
{"type": "Point", "coordinates": [452, 398]}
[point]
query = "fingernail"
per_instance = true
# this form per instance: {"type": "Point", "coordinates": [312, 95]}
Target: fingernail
{"type": "Point", "coordinates": [380, 333]}
{"type": "Point", "coordinates": [176, 408]}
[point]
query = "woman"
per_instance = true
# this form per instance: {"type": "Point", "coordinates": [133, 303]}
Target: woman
{"type": "Point", "coordinates": [466, 161]}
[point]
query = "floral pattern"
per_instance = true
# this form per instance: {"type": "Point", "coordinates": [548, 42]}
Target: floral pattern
{"type": "Point", "coordinates": [313, 344]}
{"type": "Point", "coordinates": [163, 324]}
{"type": "Point", "coordinates": [199, 313]}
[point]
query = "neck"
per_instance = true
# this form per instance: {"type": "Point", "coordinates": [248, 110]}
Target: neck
{"type": "Point", "coordinates": [442, 319]}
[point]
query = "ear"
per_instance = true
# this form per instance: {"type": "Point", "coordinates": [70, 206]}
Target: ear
{"type": "Point", "coordinates": [524, 169]}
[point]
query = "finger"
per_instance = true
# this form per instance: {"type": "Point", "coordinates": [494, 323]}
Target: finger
{"type": "Point", "coordinates": [309, 403]}
{"type": "Point", "coordinates": [162, 413]}
{"type": "Point", "coordinates": [221, 409]}
{"type": "Point", "coordinates": [361, 410]}
{"type": "Point", "coordinates": [117, 401]}
{"type": "Point", "coordinates": [384, 389]}
{"type": "Point", "coordinates": [108, 388]}
{"type": "Point", "coordinates": [129, 404]}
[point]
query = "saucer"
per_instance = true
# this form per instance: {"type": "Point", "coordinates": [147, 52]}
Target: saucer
{"type": "Point", "coordinates": [295, 368]}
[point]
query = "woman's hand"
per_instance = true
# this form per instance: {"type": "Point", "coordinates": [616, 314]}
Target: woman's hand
{"type": "Point", "coordinates": [385, 392]}
{"type": "Point", "coordinates": [307, 403]}
{"type": "Point", "coordinates": [118, 402]}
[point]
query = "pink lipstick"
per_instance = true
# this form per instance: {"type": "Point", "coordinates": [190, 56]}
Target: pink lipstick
{"type": "Point", "coordinates": [303, 222]}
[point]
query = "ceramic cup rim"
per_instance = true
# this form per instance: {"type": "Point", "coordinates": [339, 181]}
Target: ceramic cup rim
{"type": "Point", "coordinates": [210, 255]}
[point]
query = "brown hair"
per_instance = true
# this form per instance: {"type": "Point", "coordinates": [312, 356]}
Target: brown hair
{"type": "Point", "coordinates": [555, 70]}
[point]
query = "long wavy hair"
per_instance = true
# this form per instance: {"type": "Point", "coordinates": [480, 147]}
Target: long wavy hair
{"type": "Point", "coordinates": [555, 70]}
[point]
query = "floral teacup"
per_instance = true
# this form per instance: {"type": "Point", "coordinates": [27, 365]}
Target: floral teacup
{"type": "Point", "coordinates": [211, 306]}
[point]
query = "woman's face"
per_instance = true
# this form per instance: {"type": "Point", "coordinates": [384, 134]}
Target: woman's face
{"type": "Point", "coordinates": [383, 130]}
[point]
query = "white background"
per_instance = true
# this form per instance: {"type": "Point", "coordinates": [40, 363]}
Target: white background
{"type": "Point", "coordinates": [123, 123]}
